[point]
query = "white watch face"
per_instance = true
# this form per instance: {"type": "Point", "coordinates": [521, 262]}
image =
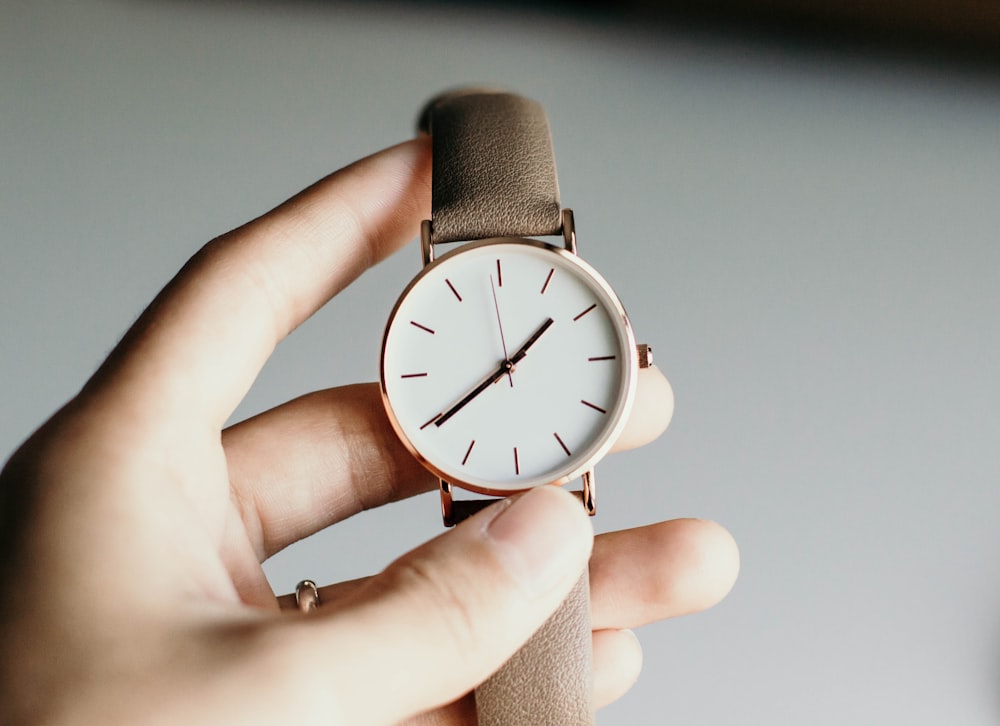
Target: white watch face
{"type": "Point", "coordinates": [508, 364]}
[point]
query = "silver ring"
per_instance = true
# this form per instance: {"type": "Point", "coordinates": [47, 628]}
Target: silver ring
{"type": "Point", "coordinates": [306, 596]}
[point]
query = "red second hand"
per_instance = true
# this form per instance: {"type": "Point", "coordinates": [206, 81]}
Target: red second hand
{"type": "Point", "coordinates": [496, 306]}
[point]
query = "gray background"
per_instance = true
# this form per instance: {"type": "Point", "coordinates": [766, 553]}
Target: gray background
{"type": "Point", "coordinates": [808, 236]}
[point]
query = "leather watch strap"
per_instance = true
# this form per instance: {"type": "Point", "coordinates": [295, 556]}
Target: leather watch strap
{"type": "Point", "coordinates": [548, 682]}
{"type": "Point", "coordinates": [462, 509]}
{"type": "Point", "coordinates": [494, 175]}
{"type": "Point", "coordinates": [494, 169]}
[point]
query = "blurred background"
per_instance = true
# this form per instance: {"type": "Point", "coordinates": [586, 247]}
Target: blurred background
{"type": "Point", "coordinates": [799, 203]}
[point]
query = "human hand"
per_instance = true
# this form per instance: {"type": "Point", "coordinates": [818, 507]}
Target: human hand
{"type": "Point", "coordinates": [133, 525]}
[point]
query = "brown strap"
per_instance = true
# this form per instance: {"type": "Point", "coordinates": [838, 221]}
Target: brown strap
{"type": "Point", "coordinates": [494, 172]}
{"type": "Point", "coordinates": [494, 175]}
{"type": "Point", "coordinates": [462, 509]}
{"type": "Point", "coordinates": [549, 681]}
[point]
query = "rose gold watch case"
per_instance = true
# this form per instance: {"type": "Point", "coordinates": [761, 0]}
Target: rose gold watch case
{"type": "Point", "coordinates": [577, 467]}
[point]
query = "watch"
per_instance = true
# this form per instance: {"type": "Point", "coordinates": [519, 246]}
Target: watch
{"type": "Point", "coordinates": [508, 362]}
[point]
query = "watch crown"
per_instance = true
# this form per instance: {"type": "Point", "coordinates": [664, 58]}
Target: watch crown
{"type": "Point", "coordinates": [645, 355]}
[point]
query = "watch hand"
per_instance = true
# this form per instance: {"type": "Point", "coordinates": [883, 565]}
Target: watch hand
{"type": "Point", "coordinates": [505, 367]}
{"type": "Point", "coordinates": [496, 306]}
{"type": "Point", "coordinates": [523, 351]}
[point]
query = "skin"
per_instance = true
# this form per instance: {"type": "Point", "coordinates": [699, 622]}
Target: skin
{"type": "Point", "coordinates": [133, 524]}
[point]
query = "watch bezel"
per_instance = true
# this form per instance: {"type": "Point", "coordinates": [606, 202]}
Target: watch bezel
{"type": "Point", "coordinates": [630, 366]}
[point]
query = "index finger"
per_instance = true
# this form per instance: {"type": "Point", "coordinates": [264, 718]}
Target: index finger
{"type": "Point", "coordinates": [198, 347]}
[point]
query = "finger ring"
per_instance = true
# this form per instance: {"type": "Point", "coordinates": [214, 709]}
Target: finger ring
{"type": "Point", "coordinates": [306, 596]}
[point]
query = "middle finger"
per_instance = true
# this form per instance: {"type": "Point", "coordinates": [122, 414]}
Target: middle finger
{"type": "Point", "coordinates": [317, 460]}
{"type": "Point", "coordinates": [328, 455]}
{"type": "Point", "coordinates": [637, 576]}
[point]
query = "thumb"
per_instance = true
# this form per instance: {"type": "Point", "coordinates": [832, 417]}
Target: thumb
{"type": "Point", "coordinates": [442, 618]}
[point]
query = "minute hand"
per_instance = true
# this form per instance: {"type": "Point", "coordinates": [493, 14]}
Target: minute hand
{"type": "Point", "coordinates": [523, 350]}
{"type": "Point", "coordinates": [495, 376]}
{"type": "Point", "coordinates": [506, 367]}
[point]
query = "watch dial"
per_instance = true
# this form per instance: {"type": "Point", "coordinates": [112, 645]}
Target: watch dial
{"type": "Point", "coordinates": [507, 365]}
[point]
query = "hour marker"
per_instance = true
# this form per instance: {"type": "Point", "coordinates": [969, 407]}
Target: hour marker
{"type": "Point", "coordinates": [593, 406]}
{"type": "Point", "coordinates": [436, 417]}
{"type": "Point", "coordinates": [547, 279]}
{"type": "Point", "coordinates": [517, 464]}
{"type": "Point", "coordinates": [422, 327]}
{"type": "Point", "coordinates": [585, 312]}
{"type": "Point", "coordinates": [413, 375]}
{"type": "Point", "coordinates": [499, 275]}
{"type": "Point", "coordinates": [561, 443]}
{"type": "Point", "coordinates": [453, 289]}
{"type": "Point", "coordinates": [602, 357]}
{"type": "Point", "coordinates": [468, 451]}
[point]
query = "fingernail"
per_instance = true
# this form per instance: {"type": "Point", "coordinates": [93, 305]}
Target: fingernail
{"type": "Point", "coordinates": [540, 539]}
